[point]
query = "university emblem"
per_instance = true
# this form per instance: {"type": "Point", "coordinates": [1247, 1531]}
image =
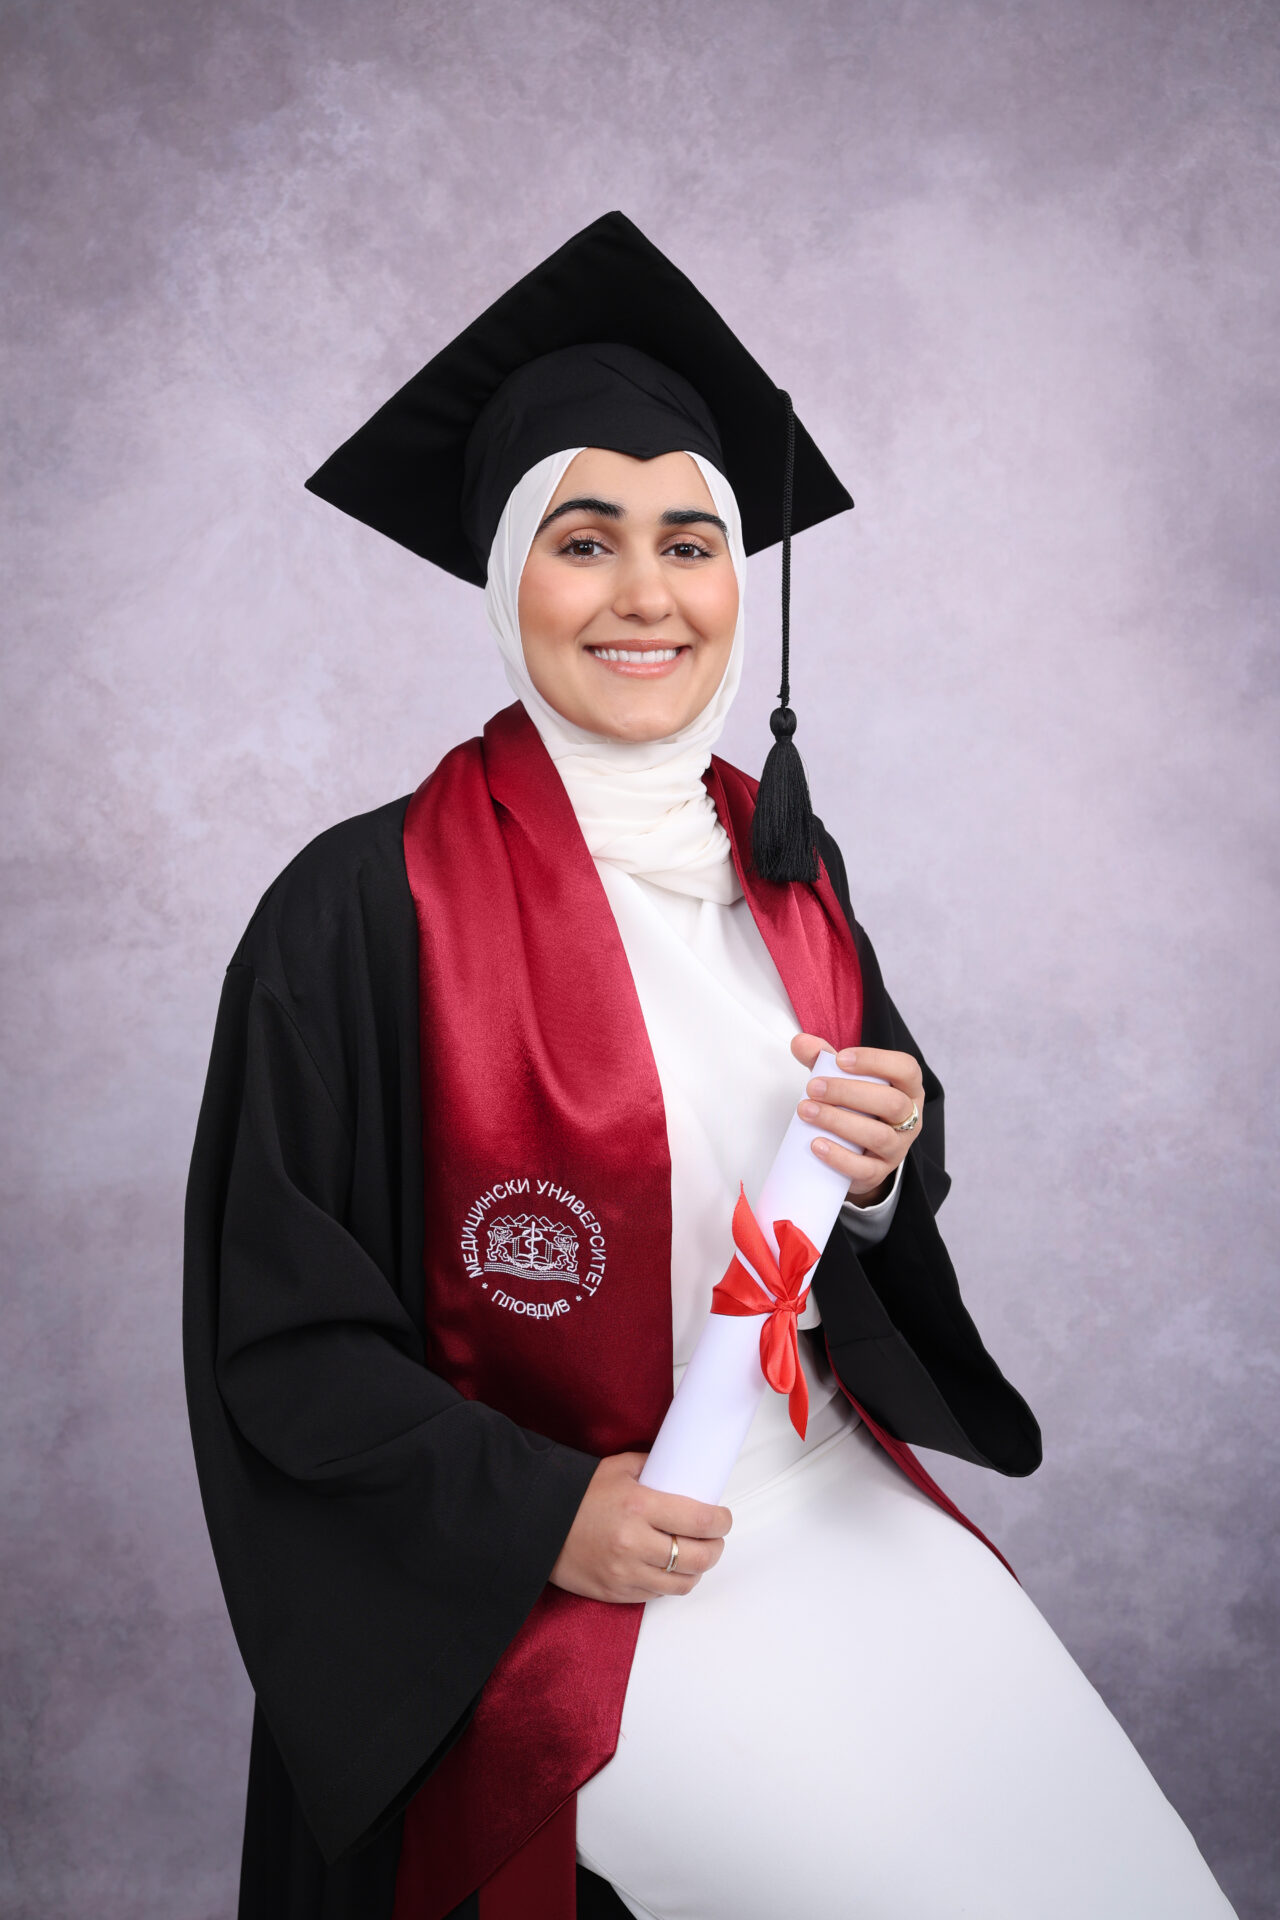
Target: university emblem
{"type": "Point", "coordinates": [531, 1248]}
{"type": "Point", "coordinates": [539, 1258]}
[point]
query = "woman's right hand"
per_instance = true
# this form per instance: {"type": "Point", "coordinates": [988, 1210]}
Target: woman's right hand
{"type": "Point", "coordinates": [620, 1541]}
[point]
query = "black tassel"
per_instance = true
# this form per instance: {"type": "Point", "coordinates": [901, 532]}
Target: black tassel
{"type": "Point", "coordinates": [782, 830]}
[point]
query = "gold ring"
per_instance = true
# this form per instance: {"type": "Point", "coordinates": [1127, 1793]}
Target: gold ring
{"type": "Point", "coordinates": [912, 1120]}
{"type": "Point", "coordinates": [675, 1555]}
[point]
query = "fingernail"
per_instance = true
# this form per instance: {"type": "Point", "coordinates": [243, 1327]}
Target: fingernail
{"type": "Point", "coordinates": [818, 1089]}
{"type": "Point", "coordinates": [822, 1146]}
{"type": "Point", "coordinates": [849, 1058]}
{"type": "Point", "coordinates": [808, 1110]}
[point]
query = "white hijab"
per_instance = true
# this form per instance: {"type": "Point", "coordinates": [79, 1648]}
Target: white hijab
{"type": "Point", "coordinates": [641, 805]}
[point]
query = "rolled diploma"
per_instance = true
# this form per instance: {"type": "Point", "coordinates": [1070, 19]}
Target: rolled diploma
{"type": "Point", "coordinates": [716, 1401]}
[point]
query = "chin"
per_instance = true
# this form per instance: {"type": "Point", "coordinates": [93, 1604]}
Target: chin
{"type": "Point", "coordinates": [642, 721]}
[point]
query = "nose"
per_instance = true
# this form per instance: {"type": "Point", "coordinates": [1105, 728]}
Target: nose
{"type": "Point", "coordinates": [641, 592]}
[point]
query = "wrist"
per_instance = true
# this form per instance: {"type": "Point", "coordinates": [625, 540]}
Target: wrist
{"type": "Point", "coordinates": [873, 1198]}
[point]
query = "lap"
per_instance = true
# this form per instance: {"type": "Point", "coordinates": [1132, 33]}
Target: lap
{"type": "Point", "coordinates": [860, 1712]}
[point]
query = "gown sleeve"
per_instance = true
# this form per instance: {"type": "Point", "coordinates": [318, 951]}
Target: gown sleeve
{"type": "Point", "coordinates": [899, 1335]}
{"type": "Point", "coordinates": [379, 1538]}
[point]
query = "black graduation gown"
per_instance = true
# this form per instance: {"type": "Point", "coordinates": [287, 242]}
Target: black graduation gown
{"type": "Point", "coordinates": [380, 1538]}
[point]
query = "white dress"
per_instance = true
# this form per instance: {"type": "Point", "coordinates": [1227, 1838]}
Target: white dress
{"type": "Point", "coordinates": [858, 1712]}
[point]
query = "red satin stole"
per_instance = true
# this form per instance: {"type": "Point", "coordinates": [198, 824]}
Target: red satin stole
{"type": "Point", "coordinates": [548, 1244]}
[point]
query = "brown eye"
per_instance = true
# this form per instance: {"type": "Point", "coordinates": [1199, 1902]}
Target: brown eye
{"type": "Point", "coordinates": [689, 550]}
{"type": "Point", "coordinates": [583, 547]}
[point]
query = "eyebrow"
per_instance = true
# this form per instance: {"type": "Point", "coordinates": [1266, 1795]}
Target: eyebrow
{"type": "Point", "coordinates": [610, 510]}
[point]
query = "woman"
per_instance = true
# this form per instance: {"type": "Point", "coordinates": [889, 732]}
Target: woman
{"type": "Point", "coordinates": [489, 1068]}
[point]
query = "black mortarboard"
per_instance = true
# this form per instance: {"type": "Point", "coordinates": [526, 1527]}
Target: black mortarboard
{"type": "Point", "coordinates": [605, 344]}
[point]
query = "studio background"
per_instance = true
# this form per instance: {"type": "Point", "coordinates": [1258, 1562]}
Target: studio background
{"type": "Point", "coordinates": [1017, 264]}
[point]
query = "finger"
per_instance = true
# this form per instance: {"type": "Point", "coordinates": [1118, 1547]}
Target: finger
{"type": "Point", "coordinates": [642, 1583]}
{"type": "Point", "coordinates": [863, 1171]}
{"type": "Point", "coordinates": [688, 1519]}
{"type": "Point", "coordinates": [900, 1069]}
{"type": "Point", "coordinates": [889, 1104]}
{"type": "Point", "coordinates": [661, 1586]}
{"type": "Point", "coordinates": [679, 1583]}
{"type": "Point", "coordinates": [694, 1556]}
{"type": "Point", "coordinates": [641, 1572]}
{"type": "Point", "coordinates": [807, 1046]}
{"type": "Point", "coordinates": [863, 1130]}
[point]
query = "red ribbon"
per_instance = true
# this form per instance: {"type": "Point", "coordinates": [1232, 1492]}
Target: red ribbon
{"type": "Point", "coordinates": [776, 1288]}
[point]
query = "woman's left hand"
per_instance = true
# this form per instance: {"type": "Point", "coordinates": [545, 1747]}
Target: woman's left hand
{"type": "Point", "coordinates": [864, 1115]}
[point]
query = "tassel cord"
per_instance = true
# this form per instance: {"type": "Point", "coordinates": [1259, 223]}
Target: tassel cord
{"type": "Point", "coordinates": [782, 831]}
{"type": "Point", "coordinates": [788, 476]}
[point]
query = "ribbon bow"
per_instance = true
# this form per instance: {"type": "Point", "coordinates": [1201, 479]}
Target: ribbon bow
{"type": "Point", "coordinates": [776, 1288]}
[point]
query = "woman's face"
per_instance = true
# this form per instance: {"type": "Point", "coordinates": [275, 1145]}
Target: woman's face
{"type": "Point", "coordinates": [628, 599]}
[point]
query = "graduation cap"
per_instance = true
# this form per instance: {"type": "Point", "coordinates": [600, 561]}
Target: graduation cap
{"type": "Point", "coordinates": [605, 344]}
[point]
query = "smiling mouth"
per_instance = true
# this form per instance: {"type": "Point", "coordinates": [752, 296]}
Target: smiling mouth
{"type": "Point", "coordinates": [644, 657]}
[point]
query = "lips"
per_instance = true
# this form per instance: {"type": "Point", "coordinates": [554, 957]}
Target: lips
{"type": "Point", "coordinates": [638, 656]}
{"type": "Point", "coordinates": [639, 663]}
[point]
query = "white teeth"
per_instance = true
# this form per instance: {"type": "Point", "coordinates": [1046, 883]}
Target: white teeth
{"type": "Point", "coordinates": [639, 655]}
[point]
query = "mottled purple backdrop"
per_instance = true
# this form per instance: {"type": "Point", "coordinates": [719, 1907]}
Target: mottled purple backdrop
{"type": "Point", "coordinates": [1017, 261]}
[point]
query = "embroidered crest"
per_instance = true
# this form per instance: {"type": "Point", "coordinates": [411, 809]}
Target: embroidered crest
{"type": "Point", "coordinates": [532, 1248]}
{"type": "Point", "coordinates": [549, 1260]}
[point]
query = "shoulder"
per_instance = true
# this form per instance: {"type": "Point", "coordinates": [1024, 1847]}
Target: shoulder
{"type": "Point", "coordinates": [344, 891]}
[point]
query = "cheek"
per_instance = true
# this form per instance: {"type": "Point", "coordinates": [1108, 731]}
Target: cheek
{"type": "Point", "coordinates": [555, 603]}
{"type": "Point", "coordinates": [711, 605]}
